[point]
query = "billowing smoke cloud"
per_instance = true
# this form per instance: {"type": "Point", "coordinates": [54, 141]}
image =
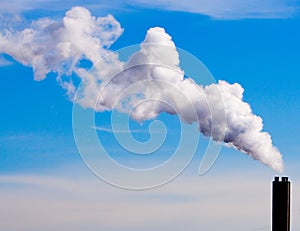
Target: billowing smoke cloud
{"type": "Point", "coordinates": [51, 46]}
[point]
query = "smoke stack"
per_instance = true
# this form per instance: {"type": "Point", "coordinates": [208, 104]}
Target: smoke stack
{"type": "Point", "coordinates": [281, 204]}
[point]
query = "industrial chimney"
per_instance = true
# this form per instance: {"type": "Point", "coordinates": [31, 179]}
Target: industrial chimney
{"type": "Point", "coordinates": [281, 204]}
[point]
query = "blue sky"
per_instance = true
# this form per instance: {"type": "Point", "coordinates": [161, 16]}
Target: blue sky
{"type": "Point", "coordinates": [41, 170]}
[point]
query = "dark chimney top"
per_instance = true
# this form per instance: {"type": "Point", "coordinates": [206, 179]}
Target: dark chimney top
{"type": "Point", "coordinates": [281, 204]}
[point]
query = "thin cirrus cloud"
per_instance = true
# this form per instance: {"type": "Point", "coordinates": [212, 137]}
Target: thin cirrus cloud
{"type": "Point", "coordinates": [4, 62]}
{"type": "Point", "coordinates": [63, 203]}
{"type": "Point", "coordinates": [216, 9]}
{"type": "Point", "coordinates": [229, 9]}
{"type": "Point", "coordinates": [109, 130]}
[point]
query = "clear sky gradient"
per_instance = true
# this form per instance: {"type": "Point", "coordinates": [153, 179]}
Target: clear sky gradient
{"type": "Point", "coordinates": [45, 185]}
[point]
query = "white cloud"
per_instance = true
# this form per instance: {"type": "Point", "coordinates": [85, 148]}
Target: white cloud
{"type": "Point", "coordinates": [50, 45]}
{"type": "Point", "coordinates": [151, 82]}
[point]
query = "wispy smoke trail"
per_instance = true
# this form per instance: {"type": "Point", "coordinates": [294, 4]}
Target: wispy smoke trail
{"type": "Point", "coordinates": [51, 46]}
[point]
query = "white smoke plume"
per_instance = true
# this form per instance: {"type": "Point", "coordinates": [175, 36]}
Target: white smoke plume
{"type": "Point", "coordinates": [52, 46]}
